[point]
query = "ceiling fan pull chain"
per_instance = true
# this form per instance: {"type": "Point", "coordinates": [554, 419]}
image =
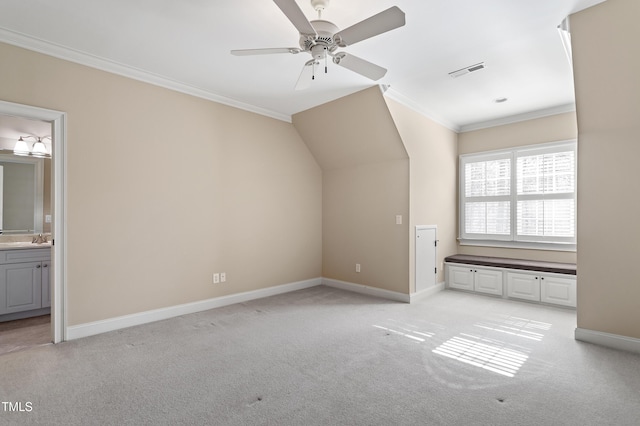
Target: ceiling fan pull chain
{"type": "Point", "coordinates": [313, 71]}
{"type": "Point", "coordinates": [325, 61]}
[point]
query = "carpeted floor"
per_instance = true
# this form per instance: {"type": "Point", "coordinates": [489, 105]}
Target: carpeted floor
{"type": "Point", "coordinates": [323, 356]}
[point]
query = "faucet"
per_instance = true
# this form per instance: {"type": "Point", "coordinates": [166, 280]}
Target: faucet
{"type": "Point", "coordinates": [39, 239]}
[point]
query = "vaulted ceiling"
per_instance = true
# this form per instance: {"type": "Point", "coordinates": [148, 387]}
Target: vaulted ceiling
{"type": "Point", "coordinates": [185, 45]}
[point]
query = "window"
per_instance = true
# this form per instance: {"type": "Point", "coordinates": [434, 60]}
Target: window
{"type": "Point", "coordinates": [525, 196]}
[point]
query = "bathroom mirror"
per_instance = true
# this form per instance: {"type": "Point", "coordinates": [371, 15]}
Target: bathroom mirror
{"type": "Point", "coordinates": [23, 195]}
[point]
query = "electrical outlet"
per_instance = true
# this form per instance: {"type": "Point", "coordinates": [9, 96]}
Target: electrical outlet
{"type": "Point", "coordinates": [398, 219]}
{"type": "Point", "coordinates": [357, 267]}
{"type": "Point", "coordinates": [223, 277]}
{"type": "Point", "coordinates": [216, 278]}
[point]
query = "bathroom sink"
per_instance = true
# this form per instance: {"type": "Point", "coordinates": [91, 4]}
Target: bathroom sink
{"type": "Point", "coordinates": [22, 244]}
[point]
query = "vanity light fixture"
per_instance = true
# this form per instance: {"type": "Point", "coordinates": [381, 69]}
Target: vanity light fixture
{"type": "Point", "coordinates": [21, 147]}
{"type": "Point", "coordinates": [38, 149]}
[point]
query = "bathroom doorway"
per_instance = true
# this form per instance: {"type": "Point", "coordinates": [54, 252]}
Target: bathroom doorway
{"type": "Point", "coordinates": [47, 320]}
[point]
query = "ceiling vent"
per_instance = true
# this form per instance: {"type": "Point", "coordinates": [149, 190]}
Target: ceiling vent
{"type": "Point", "coordinates": [467, 70]}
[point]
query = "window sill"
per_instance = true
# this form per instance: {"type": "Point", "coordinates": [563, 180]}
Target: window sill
{"type": "Point", "coordinates": [529, 245]}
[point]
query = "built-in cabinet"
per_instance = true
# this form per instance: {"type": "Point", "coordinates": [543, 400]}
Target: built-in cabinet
{"type": "Point", "coordinates": [557, 289]}
{"type": "Point", "coordinates": [473, 278]}
{"type": "Point", "coordinates": [24, 280]}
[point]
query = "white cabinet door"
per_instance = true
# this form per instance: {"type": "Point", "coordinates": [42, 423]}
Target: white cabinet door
{"type": "Point", "coordinates": [523, 286]}
{"type": "Point", "coordinates": [473, 278]}
{"type": "Point", "coordinates": [488, 281]}
{"type": "Point", "coordinates": [460, 277]}
{"type": "Point", "coordinates": [559, 291]}
{"type": "Point", "coordinates": [20, 287]}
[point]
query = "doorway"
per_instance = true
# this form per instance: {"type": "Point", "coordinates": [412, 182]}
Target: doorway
{"type": "Point", "coordinates": [57, 121]}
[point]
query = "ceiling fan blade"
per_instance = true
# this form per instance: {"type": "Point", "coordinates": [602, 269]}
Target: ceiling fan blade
{"type": "Point", "coordinates": [362, 67]}
{"type": "Point", "coordinates": [387, 20]}
{"type": "Point", "coordinates": [306, 76]}
{"type": "Point", "coordinates": [291, 9]}
{"type": "Point", "coordinates": [269, 51]}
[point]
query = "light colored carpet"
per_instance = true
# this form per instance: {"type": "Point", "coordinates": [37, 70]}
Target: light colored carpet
{"type": "Point", "coordinates": [323, 356]}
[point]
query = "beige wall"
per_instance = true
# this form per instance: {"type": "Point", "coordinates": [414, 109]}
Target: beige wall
{"type": "Point", "coordinates": [607, 69]}
{"type": "Point", "coordinates": [433, 163]}
{"type": "Point", "coordinates": [554, 128]}
{"type": "Point", "coordinates": [165, 189]}
{"type": "Point", "coordinates": [365, 185]}
{"type": "Point", "coordinates": [359, 208]}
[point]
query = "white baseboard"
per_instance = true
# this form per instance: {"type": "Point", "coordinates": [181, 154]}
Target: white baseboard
{"type": "Point", "coordinates": [614, 341]}
{"type": "Point", "coordinates": [414, 297]}
{"type": "Point", "coordinates": [111, 324]}
{"type": "Point", "coordinates": [364, 289]}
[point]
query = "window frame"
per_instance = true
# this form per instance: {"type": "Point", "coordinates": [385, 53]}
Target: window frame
{"type": "Point", "coordinates": [513, 240]}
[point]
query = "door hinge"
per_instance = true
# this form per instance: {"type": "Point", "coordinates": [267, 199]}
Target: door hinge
{"type": "Point", "coordinates": [435, 243]}
{"type": "Point", "coordinates": [435, 270]}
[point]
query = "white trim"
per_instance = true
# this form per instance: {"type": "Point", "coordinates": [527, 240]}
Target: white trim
{"type": "Point", "coordinates": [532, 115]}
{"type": "Point", "coordinates": [61, 52]}
{"type": "Point", "coordinates": [364, 289]}
{"type": "Point", "coordinates": [117, 323]}
{"type": "Point", "coordinates": [427, 292]}
{"type": "Point", "coordinates": [59, 157]}
{"type": "Point", "coordinates": [614, 341]}
{"type": "Point", "coordinates": [421, 227]}
{"type": "Point", "coordinates": [414, 106]}
{"type": "Point", "coordinates": [529, 245]}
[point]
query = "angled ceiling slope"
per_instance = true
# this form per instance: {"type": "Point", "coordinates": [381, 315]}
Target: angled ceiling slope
{"type": "Point", "coordinates": [353, 130]}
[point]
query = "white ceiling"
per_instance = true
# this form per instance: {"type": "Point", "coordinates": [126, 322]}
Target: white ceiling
{"type": "Point", "coordinates": [185, 45]}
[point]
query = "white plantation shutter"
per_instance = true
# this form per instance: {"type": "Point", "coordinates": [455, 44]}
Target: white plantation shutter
{"type": "Point", "coordinates": [487, 196]}
{"type": "Point", "coordinates": [526, 194]}
{"type": "Point", "coordinates": [545, 181]}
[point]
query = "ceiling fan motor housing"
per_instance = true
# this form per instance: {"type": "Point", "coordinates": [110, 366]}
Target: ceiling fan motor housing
{"type": "Point", "coordinates": [324, 37]}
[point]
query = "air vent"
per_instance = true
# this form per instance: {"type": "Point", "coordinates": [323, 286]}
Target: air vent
{"type": "Point", "coordinates": [467, 70]}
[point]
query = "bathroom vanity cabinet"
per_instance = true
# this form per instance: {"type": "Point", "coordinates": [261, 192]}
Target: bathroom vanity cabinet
{"type": "Point", "coordinates": [24, 282]}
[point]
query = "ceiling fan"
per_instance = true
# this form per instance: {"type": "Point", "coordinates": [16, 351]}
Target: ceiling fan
{"type": "Point", "coordinates": [322, 38]}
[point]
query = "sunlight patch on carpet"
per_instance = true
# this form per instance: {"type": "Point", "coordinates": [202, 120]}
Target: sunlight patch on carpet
{"type": "Point", "coordinates": [414, 335]}
{"type": "Point", "coordinates": [483, 353]}
{"type": "Point", "coordinates": [515, 326]}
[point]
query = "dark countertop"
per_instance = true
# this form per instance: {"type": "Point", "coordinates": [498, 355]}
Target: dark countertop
{"type": "Point", "coordinates": [503, 262]}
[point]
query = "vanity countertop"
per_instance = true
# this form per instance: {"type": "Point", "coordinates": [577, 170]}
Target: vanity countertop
{"type": "Point", "coordinates": [19, 245]}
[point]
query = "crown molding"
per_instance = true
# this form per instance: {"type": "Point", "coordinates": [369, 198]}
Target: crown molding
{"type": "Point", "coordinates": [532, 115]}
{"type": "Point", "coordinates": [409, 103]}
{"type": "Point", "coordinates": [61, 52]}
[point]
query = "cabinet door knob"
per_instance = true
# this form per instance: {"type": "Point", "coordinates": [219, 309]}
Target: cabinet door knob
{"type": "Point", "coordinates": [37, 266]}
{"type": "Point", "coordinates": [45, 265]}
